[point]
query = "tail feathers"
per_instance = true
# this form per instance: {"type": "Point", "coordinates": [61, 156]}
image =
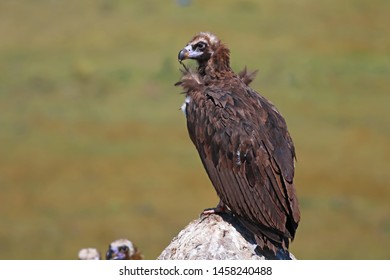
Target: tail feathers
{"type": "Point", "coordinates": [271, 243]}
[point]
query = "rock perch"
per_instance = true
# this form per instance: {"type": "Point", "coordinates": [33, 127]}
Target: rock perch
{"type": "Point", "coordinates": [215, 237]}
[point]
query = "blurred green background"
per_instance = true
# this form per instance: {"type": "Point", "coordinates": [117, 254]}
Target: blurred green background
{"type": "Point", "coordinates": [93, 146]}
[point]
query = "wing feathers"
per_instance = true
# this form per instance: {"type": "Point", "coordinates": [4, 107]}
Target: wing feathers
{"type": "Point", "coordinates": [248, 155]}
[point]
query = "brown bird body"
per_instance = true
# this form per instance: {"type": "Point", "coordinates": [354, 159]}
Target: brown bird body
{"type": "Point", "coordinates": [243, 143]}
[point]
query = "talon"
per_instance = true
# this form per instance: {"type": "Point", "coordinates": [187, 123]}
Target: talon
{"type": "Point", "coordinates": [220, 208]}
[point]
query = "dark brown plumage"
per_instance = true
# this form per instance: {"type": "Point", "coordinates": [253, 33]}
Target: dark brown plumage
{"type": "Point", "coordinates": [243, 143]}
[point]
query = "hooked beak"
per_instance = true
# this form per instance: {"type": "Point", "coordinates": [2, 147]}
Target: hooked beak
{"type": "Point", "coordinates": [183, 54]}
{"type": "Point", "coordinates": [114, 255]}
{"type": "Point", "coordinates": [188, 52]}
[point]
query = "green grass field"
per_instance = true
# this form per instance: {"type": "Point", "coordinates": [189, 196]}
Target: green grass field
{"type": "Point", "coordinates": [93, 146]}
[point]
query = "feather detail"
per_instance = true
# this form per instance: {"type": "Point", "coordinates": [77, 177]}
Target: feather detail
{"type": "Point", "coordinates": [247, 77]}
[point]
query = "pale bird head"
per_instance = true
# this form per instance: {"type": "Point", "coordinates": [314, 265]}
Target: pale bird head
{"type": "Point", "coordinates": [89, 254]}
{"type": "Point", "coordinates": [121, 249]}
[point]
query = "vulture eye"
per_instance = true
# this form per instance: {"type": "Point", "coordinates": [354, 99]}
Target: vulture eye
{"type": "Point", "coordinates": [200, 46]}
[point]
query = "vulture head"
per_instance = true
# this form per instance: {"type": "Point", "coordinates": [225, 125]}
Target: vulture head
{"type": "Point", "coordinates": [208, 51]}
{"type": "Point", "coordinates": [89, 254]}
{"type": "Point", "coordinates": [123, 249]}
